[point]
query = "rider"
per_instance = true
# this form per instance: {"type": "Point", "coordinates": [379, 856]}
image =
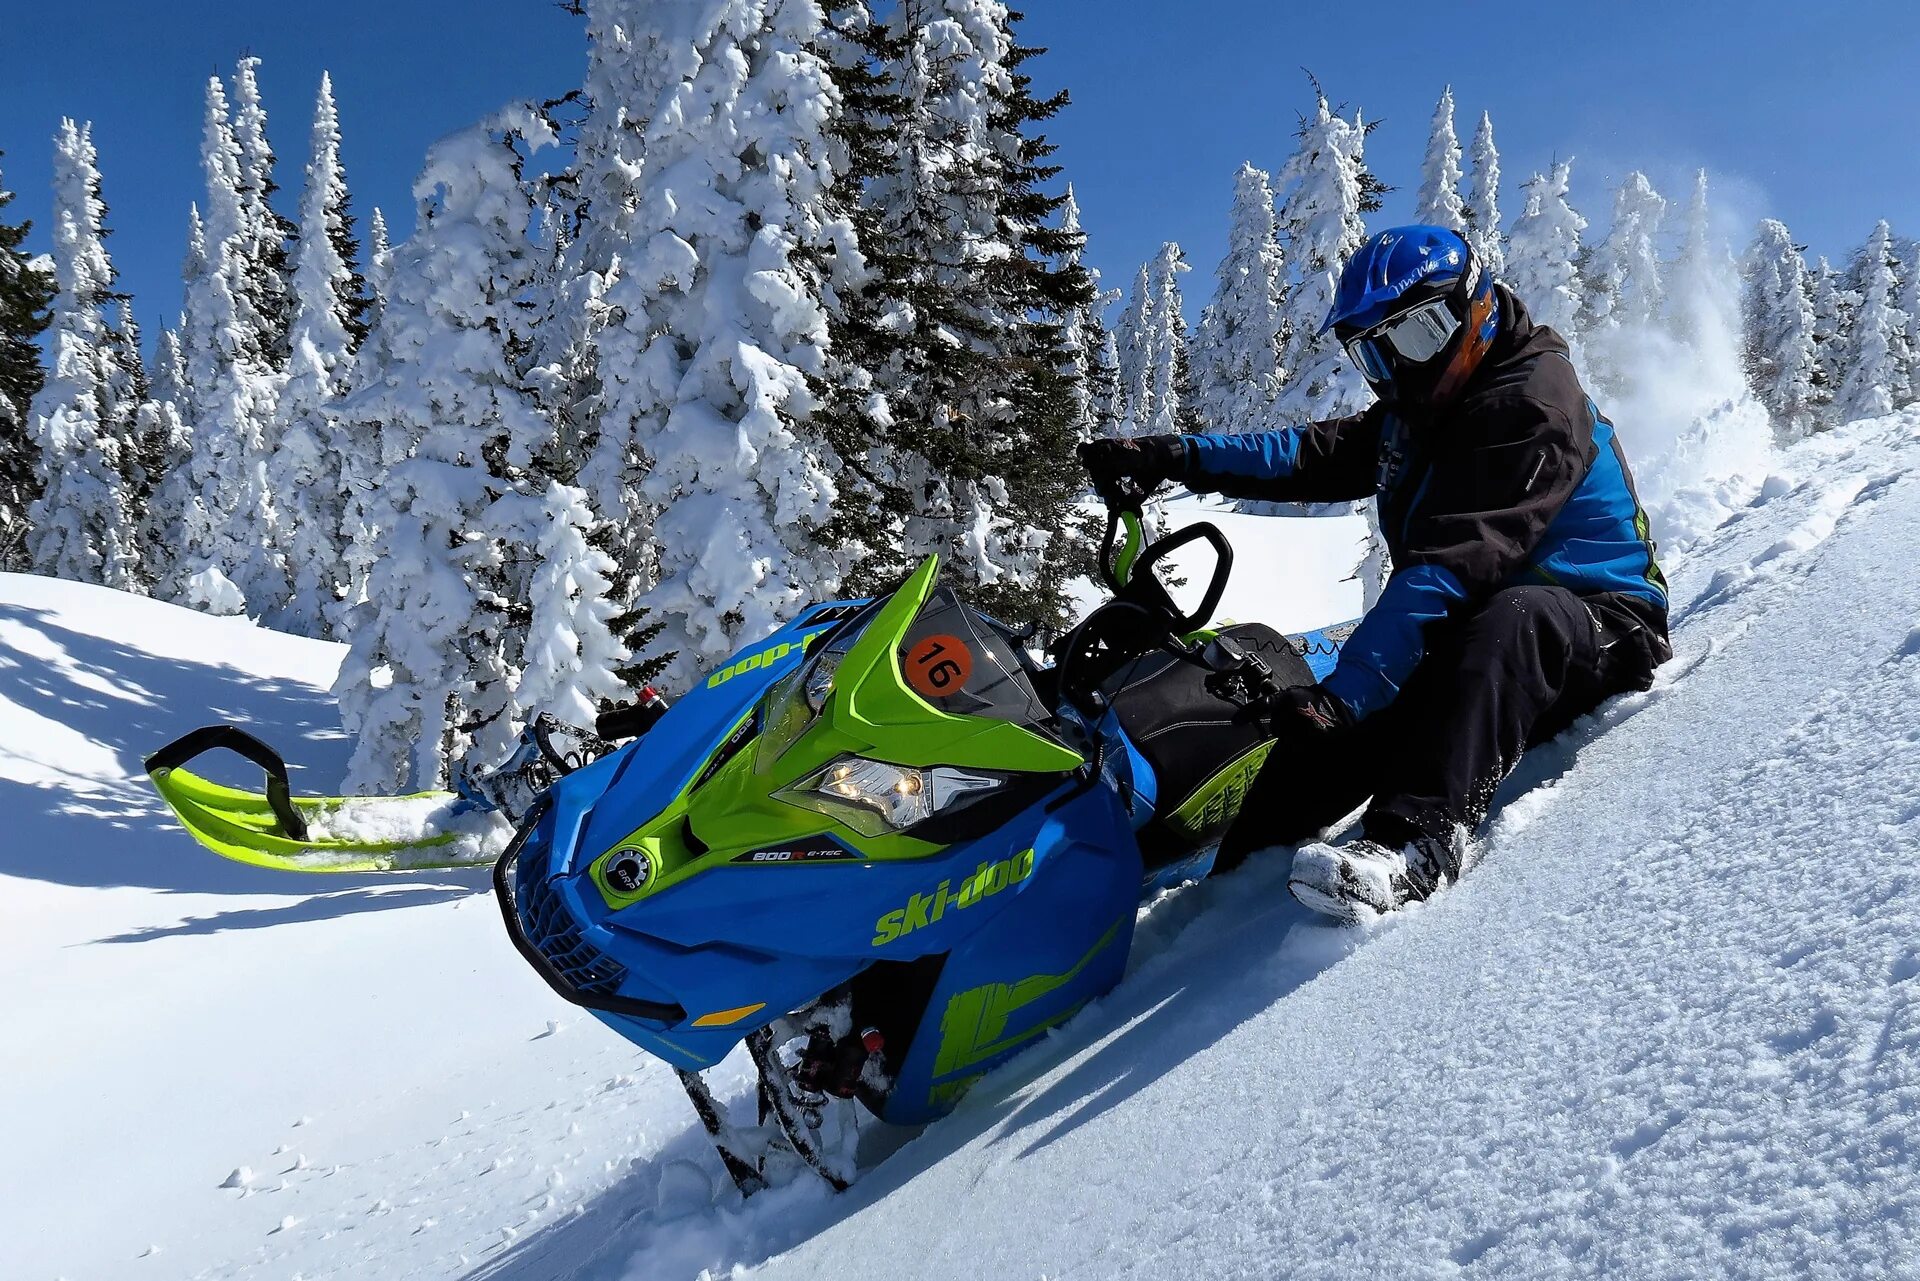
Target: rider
{"type": "Point", "coordinates": [1524, 589]}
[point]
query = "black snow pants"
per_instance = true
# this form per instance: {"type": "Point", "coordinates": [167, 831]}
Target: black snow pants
{"type": "Point", "coordinates": [1495, 682]}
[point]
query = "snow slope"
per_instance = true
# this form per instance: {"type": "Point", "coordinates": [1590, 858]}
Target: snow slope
{"type": "Point", "coordinates": [1667, 1027]}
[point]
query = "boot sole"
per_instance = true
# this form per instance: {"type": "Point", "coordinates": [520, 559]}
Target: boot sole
{"type": "Point", "coordinates": [1343, 910]}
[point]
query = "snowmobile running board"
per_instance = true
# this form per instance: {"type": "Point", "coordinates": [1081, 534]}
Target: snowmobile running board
{"type": "Point", "coordinates": [279, 830]}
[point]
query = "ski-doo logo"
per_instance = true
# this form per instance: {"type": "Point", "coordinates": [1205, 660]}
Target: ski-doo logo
{"type": "Point", "coordinates": [924, 909]}
{"type": "Point", "coordinates": [765, 658]}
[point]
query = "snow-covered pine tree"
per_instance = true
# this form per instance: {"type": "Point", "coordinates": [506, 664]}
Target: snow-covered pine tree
{"type": "Point", "coordinates": [1321, 225]}
{"type": "Point", "coordinates": [379, 268]}
{"type": "Point", "coordinates": [1237, 354]}
{"type": "Point", "coordinates": [1907, 299]}
{"type": "Point", "coordinates": [1438, 203]}
{"type": "Point", "coordinates": [978, 381]}
{"type": "Point", "coordinates": [716, 362]}
{"type": "Point", "coordinates": [26, 289]}
{"type": "Point", "coordinates": [1108, 404]}
{"type": "Point", "coordinates": [1872, 382]}
{"type": "Point", "coordinates": [308, 469]}
{"type": "Point", "coordinates": [1833, 310]}
{"type": "Point", "coordinates": [1482, 211]}
{"type": "Point", "coordinates": [166, 445]}
{"type": "Point", "coordinates": [232, 510]}
{"type": "Point", "coordinates": [444, 391]}
{"type": "Point", "coordinates": [140, 424]}
{"type": "Point", "coordinates": [1625, 289]}
{"type": "Point", "coordinates": [264, 233]}
{"type": "Point", "coordinates": [81, 526]}
{"type": "Point", "coordinates": [1083, 335]}
{"type": "Point", "coordinates": [1778, 312]}
{"type": "Point", "coordinates": [1543, 254]}
{"type": "Point", "coordinates": [570, 654]}
{"type": "Point", "coordinates": [1703, 300]}
{"type": "Point", "coordinates": [1156, 378]}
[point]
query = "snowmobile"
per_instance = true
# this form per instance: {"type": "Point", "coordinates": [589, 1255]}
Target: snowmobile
{"type": "Point", "coordinates": [888, 847]}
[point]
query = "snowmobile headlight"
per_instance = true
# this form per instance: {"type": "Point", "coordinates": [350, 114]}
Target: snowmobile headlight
{"type": "Point", "coordinates": [878, 798]}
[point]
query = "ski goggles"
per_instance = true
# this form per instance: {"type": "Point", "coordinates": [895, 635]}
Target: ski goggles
{"type": "Point", "coordinates": [1414, 338]}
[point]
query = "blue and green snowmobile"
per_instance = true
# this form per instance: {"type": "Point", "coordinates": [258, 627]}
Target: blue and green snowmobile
{"type": "Point", "coordinates": [887, 847]}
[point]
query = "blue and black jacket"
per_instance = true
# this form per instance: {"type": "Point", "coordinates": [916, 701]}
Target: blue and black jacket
{"type": "Point", "coordinates": [1519, 480]}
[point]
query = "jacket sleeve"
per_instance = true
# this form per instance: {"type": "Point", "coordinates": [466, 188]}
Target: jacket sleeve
{"type": "Point", "coordinates": [1475, 518]}
{"type": "Point", "coordinates": [1326, 462]}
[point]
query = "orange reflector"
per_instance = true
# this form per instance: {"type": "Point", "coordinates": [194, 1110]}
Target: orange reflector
{"type": "Point", "coordinates": [720, 1018]}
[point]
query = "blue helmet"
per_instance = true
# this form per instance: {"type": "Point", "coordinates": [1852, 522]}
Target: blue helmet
{"type": "Point", "coordinates": [1415, 312]}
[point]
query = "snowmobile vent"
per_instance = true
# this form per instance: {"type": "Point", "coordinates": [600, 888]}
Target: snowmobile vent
{"type": "Point", "coordinates": [555, 935]}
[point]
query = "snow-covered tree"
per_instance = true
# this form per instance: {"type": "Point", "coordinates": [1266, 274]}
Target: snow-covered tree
{"type": "Point", "coordinates": [1833, 307]}
{"type": "Point", "coordinates": [1702, 284]}
{"type": "Point", "coordinates": [1237, 357]}
{"type": "Point", "coordinates": [723, 326]}
{"type": "Point", "coordinates": [1625, 286]}
{"type": "Point", "coordinates": [232, 510]}
{"type": "Point", "coordinates": [307, 469]}
{"type": "Point", "coordinates": [1873, 382]}
{"type": "Point", "coordinates": [1084, 334]}
{"type": "Point", "coordinates": [1322, 224]}
{"type": "Point", "coordinates": [1778, 313]}
{"type": "Point", "coordinates": [81, 525]}
{"type": "Point", "coordinates": [1155, 377]}
{"type": "Point", "coordinates": [978, 382]}
{"type": "Point", "coordinates": [1482, 211]}
{"type": "Point", "coordinates": [263, 233]}
{"type": "Point", "coordinates": [379, 268]}
{"type": "Point", "coordinates": [570, 656]}
{"type": "Point", "coordinates": [430, 679]}
{"type": "Point", "coordinates": [1543, 253]}
{"type": "Point", "coordinates": [1438, 203]}
{"type": "Point", "coordinates": [166, 445]}
{"type": "Point", "coordinates": [26, 289]}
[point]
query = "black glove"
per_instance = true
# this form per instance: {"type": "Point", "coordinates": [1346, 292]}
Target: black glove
{"type": "Point", "coordinates": [1145, 460]}
{"type": "Point", "coordinates": [1307, 710]}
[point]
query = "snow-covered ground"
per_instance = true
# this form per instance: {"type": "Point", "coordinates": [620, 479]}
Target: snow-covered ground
{"type": "Point", "coordinates": [1667, 1027]}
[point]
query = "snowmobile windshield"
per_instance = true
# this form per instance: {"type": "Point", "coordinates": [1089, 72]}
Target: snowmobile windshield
{"type": "Point", "coordinates": [797, 700]}
{"type": "Point", "coordinates": [962, 663]}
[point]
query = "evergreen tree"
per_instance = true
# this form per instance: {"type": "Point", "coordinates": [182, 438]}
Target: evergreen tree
{"type": "Point", "coordinates": [1238, 352]}
{"type": "Point", "coordinates": [1083, 336]}
{"type": "Point", "coordinates": [1872, 381]}
{"type": "Point", "coordinates": [232, 511]}
{"type": "Point", "coordinates": [1107, 403]}
{"type": "Point", "coordinates": [1482, 211]}
{"type": "Point", "coordinates": [166, 445]}
{"type": "Point", "coordinates": [1625, 286]}
{"type": "Point", "coordinates": [379, 269]}
{"type": "Point", "coordinates": [263, 234]}
{"type": "Point", "coordinates": [81, 526]}
{"type": "Point", "coordinates": [1778, 312]}
{"type": "Point", "coordinates": [1908, 301]}
{"type": "Point", "coordinates": [1543, 254]}
{"type": "Point", "coordinates": [445, 399]}
{"type": "Point", "coordinates": [1322, 224]}
{"type": "Point", "coordinates": [308, 468]}
{"type": "Point", "coordinates": [571, 655]}
{"type": "Point", "coordinates": [1832, 321]}
{"type": "Point", "coordinates": [1439, 203]}
{"type": "Point", "coordinates": [1156, 377]}
{"type": "Point", "coordinates": [979, 380]}
{"type": "Point", "coordinates": [25, 292]}
{"type": "Point", "coordinates": [1702, 297]}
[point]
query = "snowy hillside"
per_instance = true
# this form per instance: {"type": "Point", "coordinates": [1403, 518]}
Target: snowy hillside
{"type": "Point", "coordinates": [1667, 1027]}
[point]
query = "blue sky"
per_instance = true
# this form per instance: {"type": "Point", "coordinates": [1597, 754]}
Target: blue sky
{"type": "Point", "coordinates": [1806, 112]}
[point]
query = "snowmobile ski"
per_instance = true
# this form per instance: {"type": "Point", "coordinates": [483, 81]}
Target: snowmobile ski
{"type": "Point", "coordinates": [276, 829]}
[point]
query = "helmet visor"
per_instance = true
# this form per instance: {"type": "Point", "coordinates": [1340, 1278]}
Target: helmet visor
{"type": "Point", "coordinates": [1414, 338]}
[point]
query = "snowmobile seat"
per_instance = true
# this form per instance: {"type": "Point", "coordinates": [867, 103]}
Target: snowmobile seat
{"type": "Point", "coordinates": [1204, 749]}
